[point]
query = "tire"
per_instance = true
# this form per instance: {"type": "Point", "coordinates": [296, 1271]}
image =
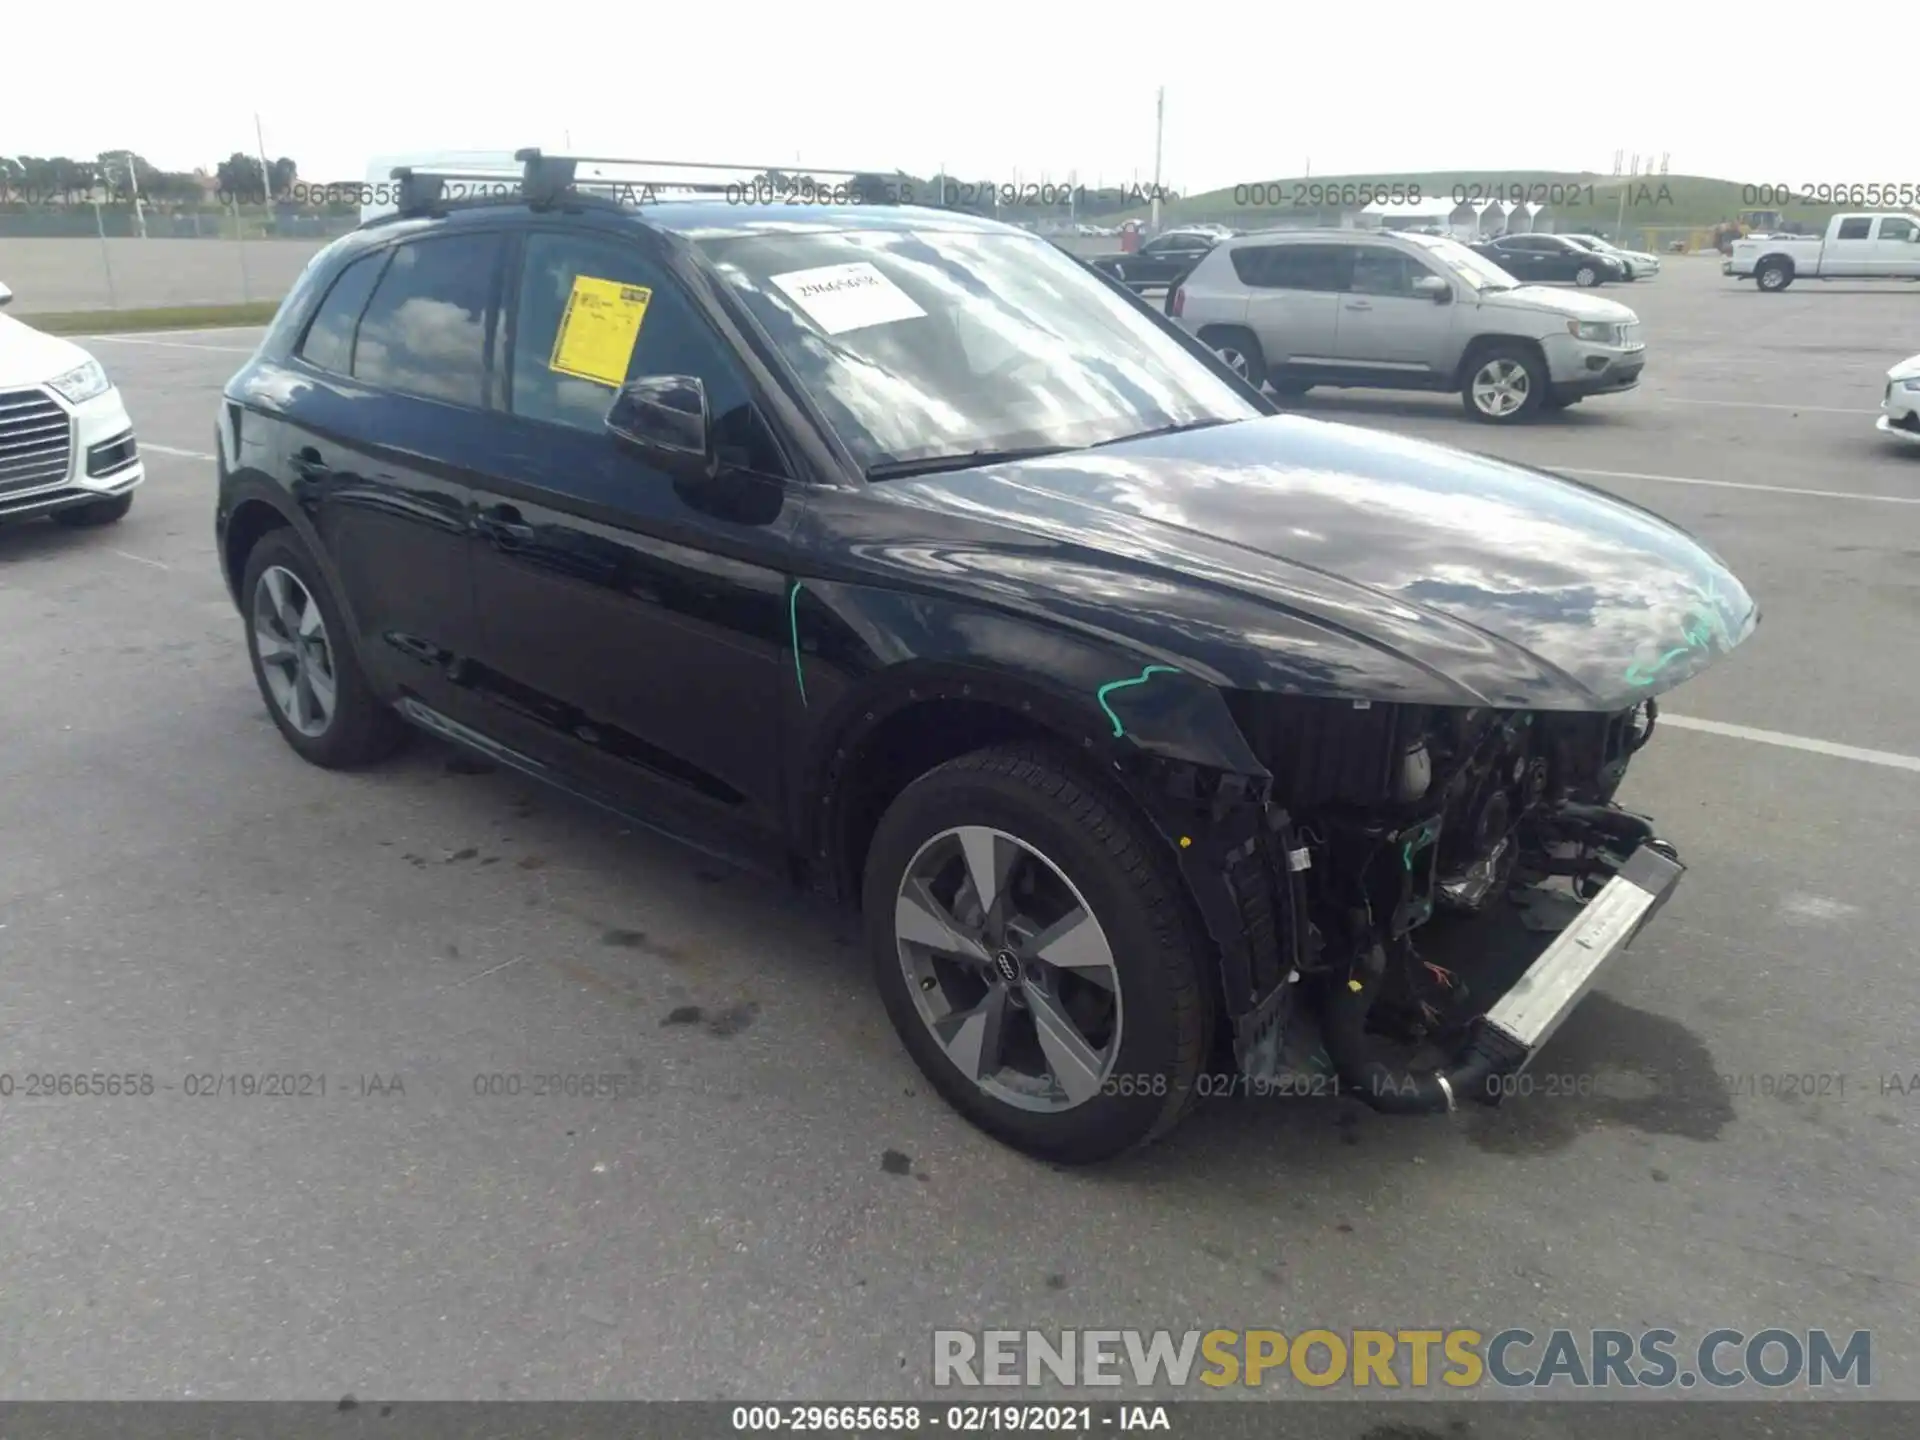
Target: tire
{"type": "Point", "coordinates": [1586, 277]}
{"type": "Point", "coordinates": [1082, 848]}
{"type": "Point", "coordinates": [99, 512]}
{"type": "Point", "coordinates": [1773, 275]}
{"type": "Point", "coordinates": [1514, 370]}
{"type": "Point", "coordinates": [1240, 351]}
{"type": "Point", "coordinates": [359, 729]}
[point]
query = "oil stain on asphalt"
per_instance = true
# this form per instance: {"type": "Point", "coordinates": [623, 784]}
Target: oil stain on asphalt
{"type": "Point", "coordinates": [1613, 1066]}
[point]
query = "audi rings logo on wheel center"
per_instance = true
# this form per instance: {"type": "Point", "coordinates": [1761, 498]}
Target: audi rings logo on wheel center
{"type": "Point", "coordinates": [1008, 966]}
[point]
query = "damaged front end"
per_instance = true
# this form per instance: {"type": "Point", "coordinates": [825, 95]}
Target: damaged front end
{"type": "Point", "coordinates": [1317, 880]}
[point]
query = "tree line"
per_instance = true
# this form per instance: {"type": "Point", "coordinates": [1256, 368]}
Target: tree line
{"type": "Point", "coordinates": [117, 175]}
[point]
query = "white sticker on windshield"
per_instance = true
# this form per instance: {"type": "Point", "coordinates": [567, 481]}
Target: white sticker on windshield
{"type": "Point", "coordinates": [848, 297]}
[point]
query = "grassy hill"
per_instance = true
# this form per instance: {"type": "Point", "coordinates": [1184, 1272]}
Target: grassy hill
{"type": "Point", "coordinates": [1574, 199]}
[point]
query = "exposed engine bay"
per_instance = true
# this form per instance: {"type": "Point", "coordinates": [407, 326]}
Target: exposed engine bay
{"type": "Point", "coordinates": [1391, 815]}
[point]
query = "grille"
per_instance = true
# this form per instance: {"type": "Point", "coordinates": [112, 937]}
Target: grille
{"type": "Point", "coordinates": [36, 441]}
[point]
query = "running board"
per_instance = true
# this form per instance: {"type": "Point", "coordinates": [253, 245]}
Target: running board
{"type": "Point", "coordinates": [1526, 1017]}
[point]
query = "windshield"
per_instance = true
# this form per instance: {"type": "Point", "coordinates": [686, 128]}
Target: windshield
{"type": "Point", "coordinates": [1475, 269]}
{"type": "Point", "coordinates": [924, 345]}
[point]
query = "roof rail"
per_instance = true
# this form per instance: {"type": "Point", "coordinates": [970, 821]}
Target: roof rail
{"type": "Point", "coordinates": [545, 179]}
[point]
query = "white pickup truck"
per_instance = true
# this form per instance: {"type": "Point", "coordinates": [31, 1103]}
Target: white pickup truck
{"type": "Point", "coordinates": [1876, 245]}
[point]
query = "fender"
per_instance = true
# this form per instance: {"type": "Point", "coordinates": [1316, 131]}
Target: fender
{"type": "Point", "coordinates": [251, 486]}
{"type": "Point", "coordinates": [863, 655]}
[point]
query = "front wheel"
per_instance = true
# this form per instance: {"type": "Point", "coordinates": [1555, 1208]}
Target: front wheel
{"type": "Point", "coordinates": [1505, 385]}
{"type": "Point", "coordinates": [1034, 951]}
{"type": "Point", "coordinates": [1586, 277]}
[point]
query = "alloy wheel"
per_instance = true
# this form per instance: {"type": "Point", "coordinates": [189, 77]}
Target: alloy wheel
{"type": "Point", "coordinates": [1500, 387]}
{"type": "Point", "coordinates": [1235, 360]}
{"type": "Point", "coordinates": [296, 657]}
{"type": "Point", "coordinates": [1009, 969]}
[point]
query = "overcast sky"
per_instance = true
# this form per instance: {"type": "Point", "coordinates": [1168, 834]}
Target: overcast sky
{"type": "Point", "coordinates": [1253, 90]}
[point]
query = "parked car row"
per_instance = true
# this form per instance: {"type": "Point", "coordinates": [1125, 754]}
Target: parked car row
{"type": "Point", "coordinates": [1297, 309]}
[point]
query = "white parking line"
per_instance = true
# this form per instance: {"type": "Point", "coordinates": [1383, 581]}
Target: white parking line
{"type": "Point", "coordinates": [170, 344]}
{"type": "Point", "coordinates": [1887, 758]}
{"type": "Point", "coordinates": [1763, 405]}
{"type": "Point", "coordinates": [1734, 485]}
{"type": "Point", "coordinates": [169, 450]}
{"type": "Point", "coordinates": [141, 559]}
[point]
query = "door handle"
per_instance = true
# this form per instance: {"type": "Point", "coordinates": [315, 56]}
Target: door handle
{"type": "Point", "coordinates": [308, 465]}
{"type": "Point", "coordinates": [503, 526]}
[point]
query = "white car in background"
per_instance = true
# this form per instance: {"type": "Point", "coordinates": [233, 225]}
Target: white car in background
{"type": "Point", "coordinates": [1641, 265]}
{"type": "Point", "coordinates": [66, 445]}
{"type": "Point", "coordinates": [1900, 406]}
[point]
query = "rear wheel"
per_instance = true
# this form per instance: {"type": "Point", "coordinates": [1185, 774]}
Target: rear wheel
{"type": "Point", "coordinates": [1773, 275]}
{"type": "Point", "coordinates": [1240, 351]}
{"type": "Point", "coordinates": [1505, 384]}
{"type": "Point", "coordinates": [100, 512]}
{"type": "Point", "coordinates": [304, 661]}
{"type": "Point", "coordinates": [1033, 949]}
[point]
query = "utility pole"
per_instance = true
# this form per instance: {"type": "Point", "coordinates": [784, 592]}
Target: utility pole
{"type": "Point", "coordinates": [133, 182]}
{"type": "Point", "coordinates": [266, 170]}
{"type": "Point", "coordinates": [1159, 131]}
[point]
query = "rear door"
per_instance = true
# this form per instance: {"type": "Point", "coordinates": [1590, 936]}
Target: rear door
{"type": "Point", "coordinates": [384, 417]}
{"type": "Point", "coordinates": [1896, 246]}
{"type": "Point", "coordinates": [632, 625]}
{"type": "Point", "coordinates": [1523, 257]}
{"type": "Point", "coordinates": [1851, 250]}
{"type": "Point", "coordinates": [1293, 305]}
{"type": "Point", "coordinates": [1383, 325]}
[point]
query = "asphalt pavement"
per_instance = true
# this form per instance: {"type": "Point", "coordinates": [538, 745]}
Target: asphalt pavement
{"type": "Point", "coordinates": [774, 1204]}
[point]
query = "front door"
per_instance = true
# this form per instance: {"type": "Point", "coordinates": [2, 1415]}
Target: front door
{"type": "Point", "coordinates": [632, 622]}
{"type": "Point", "coordinates": [1384, 325]}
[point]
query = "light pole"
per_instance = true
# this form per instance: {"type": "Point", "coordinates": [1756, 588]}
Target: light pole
{"type": "Point", "coordinates": [1159, 131]}
{"type": "Point", "coordinates": [133, 184]}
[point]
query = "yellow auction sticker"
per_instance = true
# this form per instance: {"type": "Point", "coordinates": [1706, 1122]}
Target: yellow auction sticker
{"type": "Point", "coordinates": [597, 331]}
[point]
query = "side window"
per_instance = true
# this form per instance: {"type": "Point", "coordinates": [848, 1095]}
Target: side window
{"type": "Point", "coordinates": [1309, 267]}
{"type": "Point", "coordinates": [425, 330]}
{"type": "Point", "coordinates": [593, 314]}
{"type": "Point", "coordinates": [1855, 227]}
{"type": "Point", "coordinates": [1380, 272]}
{"type": "Point", "coordinates": [329, 342]}
{"type": "Point", "coordinates": [1896, 227]}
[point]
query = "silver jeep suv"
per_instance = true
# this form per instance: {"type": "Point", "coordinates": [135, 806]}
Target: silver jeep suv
{"type": "Point", "coordinates": [1387, 309]}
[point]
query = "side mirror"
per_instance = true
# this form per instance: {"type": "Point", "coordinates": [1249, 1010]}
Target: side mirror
{"type": "Point", "coordinates": [1434, 287]}
{"type": "Point", "coordinates": [665, 418]}
{"type": "Point", "coordinates": [5, 294]}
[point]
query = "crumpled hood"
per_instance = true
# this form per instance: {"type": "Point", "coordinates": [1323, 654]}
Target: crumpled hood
{"type": "Point", "coordinates": [1574, 304]}
{"type": "Point", "coordinates": [30, 357]}
{"type": "Point", "coordinates": [1294, 554]}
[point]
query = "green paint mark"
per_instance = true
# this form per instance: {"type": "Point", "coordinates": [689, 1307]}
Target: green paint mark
{"type": "Point", "coordinates": [1406, 857]}
{"type": "Point", "coordinates": [1140, 679]}
{"type": "Point", "coordinates": [793, 626]}
{"type": "Point", "coordinates": [1704, 623]}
